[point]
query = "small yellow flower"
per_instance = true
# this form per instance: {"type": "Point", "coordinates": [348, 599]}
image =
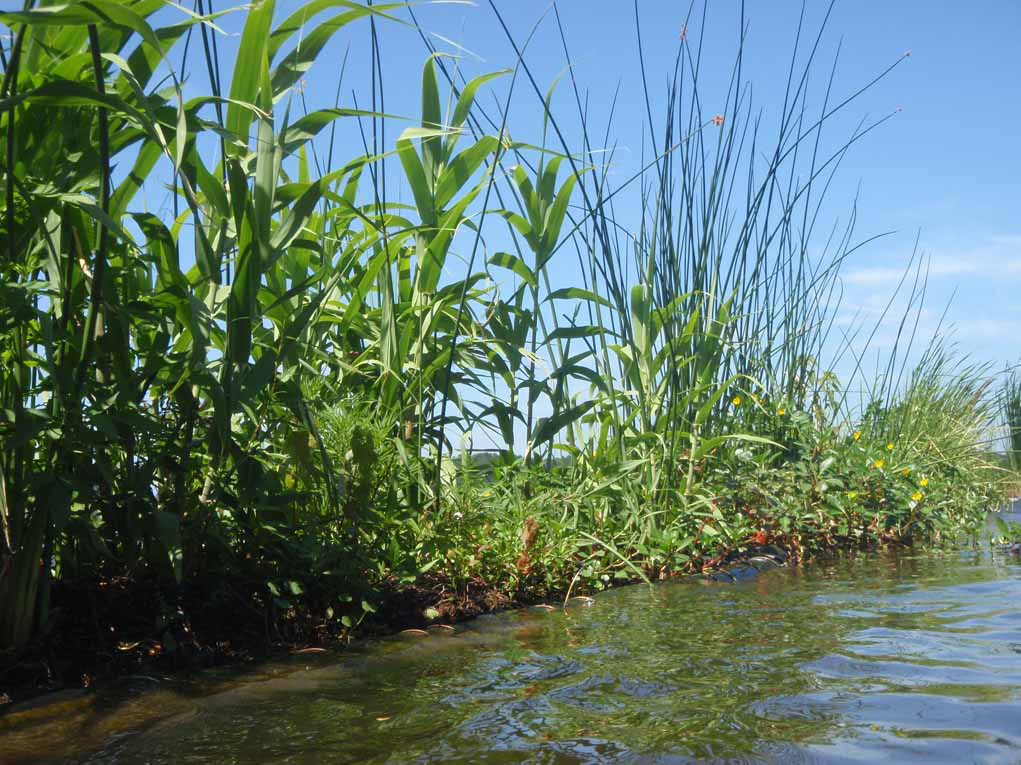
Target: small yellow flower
{"type": "Point", "coordinates": [916, 496]}
{"type": "Point", "coordinates": [879, 464]}
{"type": "Point", "coordinates": [487, 493]}
{"type": "Point", "coordinates": [852, 494]}
{"type": "Point", "coordinates": [924, 482]}
{"type": "Point", "coordinates": [857, 435]}
{"type": "Point", "coordinates": [889, 447]}
{"type": "Point", "coordinates": [781, 411]}
{"type": "Point", "coordinates": [906, 471]}
{"type": "Point", "coordinates": [736, 401]}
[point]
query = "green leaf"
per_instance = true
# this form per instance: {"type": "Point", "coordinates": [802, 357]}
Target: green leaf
{"type": "Point", "coordinates": [248, 69]}
{"type": "Point", "coordinates": [432, 118]}
{"type": "Point", "coordinates": [709, 444]}
{"type": "Point", "coordinates": [465, 101]}
{"type": "Point", "coordinates": [416, 178]}
{"type": "Point", "coordinates": [515, 264]}
{"type": "Point", "coordinates": [296, 63]}
{"type": "Point", "coordinates": [309, 126]}
{"type": "Point", "coordinates": [577, 293]}
{"type": "Point", "coordinates": [550, 426]}
{"type": "Point", "coordinates": [296, 218]}
{"type": "Point", "coordinates": [99, 12]}
{"type": "Point", "coordinates": [460, 170]}
{"type": "Point", "coordinates": [572, 333]}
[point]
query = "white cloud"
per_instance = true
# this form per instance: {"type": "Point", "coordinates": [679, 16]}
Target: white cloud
{"type": "Point", "coordinates": [997, 257]}
{"type": "Point", "coordinates": [987, 329]}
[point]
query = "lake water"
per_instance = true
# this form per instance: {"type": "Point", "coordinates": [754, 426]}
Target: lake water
{"type": "Point", "coordinates": [909, 657]}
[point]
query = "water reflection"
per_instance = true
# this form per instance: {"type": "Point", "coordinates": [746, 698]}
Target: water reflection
{"type": "Point", "coordinates": [906, 657]}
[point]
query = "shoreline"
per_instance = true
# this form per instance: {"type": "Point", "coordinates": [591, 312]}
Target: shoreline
{"type": "Point", "coordinates": [395, 619]}
{"type": "Point", "coordinates": [106, 631]}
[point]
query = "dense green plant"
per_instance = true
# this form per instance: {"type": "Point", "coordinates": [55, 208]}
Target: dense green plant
{"type": "Point", "coordinates": [260, 388]}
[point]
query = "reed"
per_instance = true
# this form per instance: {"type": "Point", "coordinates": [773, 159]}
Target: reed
{"type": "Point", "coordinates": [263, 384]}
{"type": "Point", "coordinates": [1011, 411]}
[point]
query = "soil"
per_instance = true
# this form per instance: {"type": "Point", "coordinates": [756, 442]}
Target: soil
{"type": "Point", "coordinates": [100, 631]}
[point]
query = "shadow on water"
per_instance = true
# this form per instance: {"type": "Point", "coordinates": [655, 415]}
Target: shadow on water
{"type": "Point", "coordinates": [901, 656]}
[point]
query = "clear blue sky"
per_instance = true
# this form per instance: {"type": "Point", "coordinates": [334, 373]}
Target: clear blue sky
{"type": "Point", "coordinates": [945, 168]}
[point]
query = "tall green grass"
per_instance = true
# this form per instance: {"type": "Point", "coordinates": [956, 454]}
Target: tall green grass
{"type": "Point", "coordinates": [1011, 412]}
{"type": "Point", "coordinates": [283, 408]}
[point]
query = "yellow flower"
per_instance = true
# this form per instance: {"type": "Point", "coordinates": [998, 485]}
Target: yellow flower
{"type": "Point", "coordinates": [852, 494]}
{"type": "Point", "coordinates": [916, 496]}
{"type": "Point", "coordinates": [857, 435]}
{"type": "Point", "coordinates": [879, 463]}
{"type": "Point", "coordinates": [781, 411]}
{"type": "Point", "coordinates": [487, 493]}
{"type": "Point", "coordinates": [889, 447]}
{"type": "Point", "coordinates": [906, 471]}
{"type": "Point", "coordinates": [924, 482]}
{"type": "Point", "coordinates": [736, 401]}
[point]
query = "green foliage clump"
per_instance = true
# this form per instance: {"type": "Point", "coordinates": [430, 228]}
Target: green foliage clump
{"type": "Point", "coordinates": [253, 394]}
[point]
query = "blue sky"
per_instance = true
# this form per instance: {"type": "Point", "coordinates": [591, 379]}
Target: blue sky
{"type": "Point", "coordinates": [945, 168]}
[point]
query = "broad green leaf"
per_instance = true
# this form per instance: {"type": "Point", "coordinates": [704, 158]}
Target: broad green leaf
{"type": "Point", "coordinates": [577, 293]}
{"type": "Point", "coordinates": [99, 12]}
{"type": "Point", "coordinates": [416, 178]}
{"type": "Point", "coordinates": [464, 104]}
{"type": "Point", "coordinates": [249, 68]}
{"type": "Point", "coordinates": [550, 426]}
{"type": "Point", "coordinates": [432, 118]}
{"type": "Point", "coordinates": [460, 170]}
{"type": "Point", "coordinates": [515, 264]}
{"type": "Point", "coordinates": [308, 127]}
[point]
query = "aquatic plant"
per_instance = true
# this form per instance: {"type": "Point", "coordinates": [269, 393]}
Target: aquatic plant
{"type": "Point", "coordinates": [254, 393]}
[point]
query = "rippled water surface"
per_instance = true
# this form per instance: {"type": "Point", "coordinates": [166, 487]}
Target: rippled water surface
{"type": "Point", "coordinates": [904, 657]}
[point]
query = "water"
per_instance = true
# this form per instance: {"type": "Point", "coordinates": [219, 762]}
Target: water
{"type": "Point", "coordinates": [905, 657]}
